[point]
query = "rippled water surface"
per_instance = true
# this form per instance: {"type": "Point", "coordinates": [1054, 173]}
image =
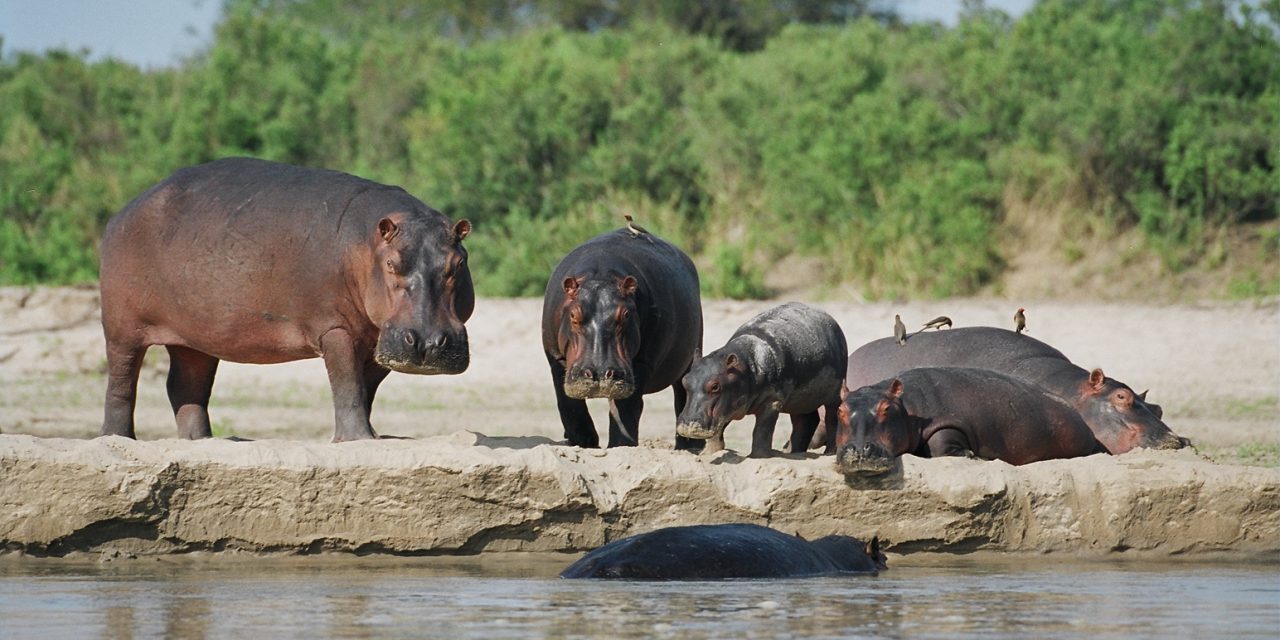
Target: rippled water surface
{"type": "Point", "coordinates": [519, 597]}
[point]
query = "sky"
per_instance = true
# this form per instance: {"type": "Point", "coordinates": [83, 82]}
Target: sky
{"type": "Point", "coordinates": [159, 33]}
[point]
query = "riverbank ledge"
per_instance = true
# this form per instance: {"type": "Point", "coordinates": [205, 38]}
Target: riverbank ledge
{"type": "Point", "coordinates": [467, 493]}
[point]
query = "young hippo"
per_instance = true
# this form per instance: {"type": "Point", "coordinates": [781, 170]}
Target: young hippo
{"type": "Point", "coordinates": [789, 359]}
{"type": "Point", "coordinates": [943, 411]}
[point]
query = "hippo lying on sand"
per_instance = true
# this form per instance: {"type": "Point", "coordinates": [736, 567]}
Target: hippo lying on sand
{"type": "Point", "coordinates": [621, 318]}
{"type": "Point", "coordinates": [935, 412]}
{"type": "Point", "coordinates": [1121, 419]}
{"type": "Point", "coordinates": [789, 359]}
{"type": "Point", "coordinates": [259, 262]}
{"type": "Point", "coordinates": [720, 551]}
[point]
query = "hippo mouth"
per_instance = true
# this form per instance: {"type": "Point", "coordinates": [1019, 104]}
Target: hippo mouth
{"type": "Point", "coordinates": [697, 430]}
{"type": "Point", "coordinates": [852, 463]}
{"type": "Point", "coordinates": [584, 388]}
{"type": "Point", "coordinates": [446, 362]}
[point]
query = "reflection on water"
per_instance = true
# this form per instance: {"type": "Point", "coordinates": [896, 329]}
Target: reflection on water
{"type": "Point", "coordinates": [521, 598]}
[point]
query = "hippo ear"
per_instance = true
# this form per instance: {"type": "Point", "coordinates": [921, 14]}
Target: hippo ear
{"type": "Point", "coordinates": [730, 361]}
{"type": "Point", "coordinates": [873, 547]}
{"type": "Point", "coordinates": [844, 392]}
{"type": "Point", "coordinates": [895, 388]}
{"type": "Point", "coordinates": [627, 286]}
{"type": "Point", "coordinates": [387, 229]}
{"type": "Point", "coordinates": [1097, 379]}
{"type": "Point", "coordinates": [1143, 396]}
{"type": "Point", "coordinates": [571, 287]}
{"type": "Point", "coordinates": [461, 230]}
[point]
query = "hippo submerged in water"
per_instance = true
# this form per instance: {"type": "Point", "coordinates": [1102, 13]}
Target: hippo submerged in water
{"type": "Point", "coordinates": [934, 412]}
{"type": "Point", "coordinates": [621, 318]}
{"type": "Point", "coordinates": [789, 359]}
{"type": "Point", "coordinates": [258, 262]}
{"type": "Point", "coordinates": [1121, 419]}
{"type": "Point", "coordinates": [721, 551]}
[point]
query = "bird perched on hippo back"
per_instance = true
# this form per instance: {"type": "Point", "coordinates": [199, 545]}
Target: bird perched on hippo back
{"type": "Point", "coordinates": [1019, 320]}
{"type": "Point", "coordinates": [1119, 418]}
{"type": "Point", "coordinates": [725, 551]}
{"type": "Point", "coordinates": [621, 318]}
{"type": "Point", "coordinates": [259, 262]}
{"type": "Point", "coordinates": [899, 330]}
{"type": "Point", "coordinates": [789, 359]}
{"type": "Point", "coordinates": [948, 411]}
{"type": "Point", "coordinates": [937, 323]}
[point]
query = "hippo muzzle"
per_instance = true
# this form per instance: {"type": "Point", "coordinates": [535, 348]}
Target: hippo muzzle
{"type": "Point", "coordinates": [612, 383]}
{"type": "Point", "coordinates": [409, 350]}
{"type": "Point", "coordinates": [697, 430]}
{"type": "Point", "coordinates": [868, 460]}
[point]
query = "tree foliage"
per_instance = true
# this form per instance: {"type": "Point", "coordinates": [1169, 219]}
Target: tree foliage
{"type": "Point", "coordinates": [887, 151]}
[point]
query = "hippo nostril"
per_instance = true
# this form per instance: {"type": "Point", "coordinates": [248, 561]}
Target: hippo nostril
{"type": "Point", "coordinates": [866, 448]}
{"type": "Point", "coordinates": [440, 341]}
{"type": "Point", "coordinates": [588, 374]}
{"type": "Point", "coordinates": [609, 374]}
{"type": "Point", "coordinates": [410, 337]}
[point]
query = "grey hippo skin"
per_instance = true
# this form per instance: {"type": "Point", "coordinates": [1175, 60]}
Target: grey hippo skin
{"type": "Point", "coordinates": [946, 411]}
{"type": "Point", "coordinates": [622, 317]}
{"type": "Point", "coordinates": [789, 359]}
{"type": "Point", "coordinates": [259, 262]}
{"type": "Point", "coordinates": [1121, 419]}
{"type": "Point", "coordinates": [722, 551]}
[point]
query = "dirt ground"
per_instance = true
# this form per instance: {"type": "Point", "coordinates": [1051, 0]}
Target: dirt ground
{"type": "Point", "coordinates": [1214, 367]}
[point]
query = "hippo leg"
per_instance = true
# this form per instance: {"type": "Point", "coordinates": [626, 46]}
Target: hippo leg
{"type": "Point", "coordinates": [190, 382]}
{"type": "Point", "coordinates": [123, 364]}
{"type": "Point", "coordinates": [374, 374]}
{"type": "Point", "coordinates": [830, 422]}
{"type": "Point", "coordinates": [762, 435]}
{"type": "Point", "coordinates": [346, 379]}
{"type": "Point", "coordinates": [803, 426]}
{"type": "Point", "coordinates": [579, 430]}
{"type": "Point", "coordinates": [949, 442]}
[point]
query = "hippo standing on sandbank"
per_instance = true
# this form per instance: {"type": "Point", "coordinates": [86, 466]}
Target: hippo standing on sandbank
{"type": "Point", "coordinates": [259, 262]}
{"type": "Point", "coordinates": [789, 359]}
{"type": "Point", "coordinates": [951, 411]}
{"type": "Point", "coordinates": [621, 318]}
{"type": "Point", "coordinates": [724, 551]}
{"type": "Point", "coordinates": [1121, 419]}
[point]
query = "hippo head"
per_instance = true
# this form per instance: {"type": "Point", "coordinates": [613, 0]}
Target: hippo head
{"type": "Point", "coordinates": [873, 430]}
{"type": "Point", "coordinates": [1121, 419]}
{"type": "Point", "coordinates": [599, 333]}
{"type": "Point", "coordinates": [719, 392]}
{"type": "Point", "coordinates": [419, 294]}
{"type": "Point", "coordinates": [852, 554]}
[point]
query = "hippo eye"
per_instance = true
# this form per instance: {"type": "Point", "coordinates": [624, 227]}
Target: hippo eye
{"type": "Point", "coordinates": [714, 387]}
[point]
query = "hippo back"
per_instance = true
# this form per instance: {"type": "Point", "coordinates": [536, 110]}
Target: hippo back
{"type": "Point", "coordinates": [810, 349]}
{"type": "Point", "coordinates": [1015, 355]}
{"type": "Point", "coordinates": [711, 552]}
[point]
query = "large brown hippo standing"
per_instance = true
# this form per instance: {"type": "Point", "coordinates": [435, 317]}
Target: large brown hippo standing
{"type": "Point", "coordinates": [622, 317]}
{"type": "Point", "coordinates": [951, 411]}
{"type": "Point", "coordinates": [258, 262]}
{"type": "Point", "coordinates": [1121, 419]}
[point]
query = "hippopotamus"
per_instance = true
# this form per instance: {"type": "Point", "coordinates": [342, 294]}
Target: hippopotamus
{"type": "Point", "coordinates": [259, 262]}
{"type": "Point", "coordinates": [621, 318]}
{"type": "Point", "coordinates": [1121, 419]}
{"type": "Point", "coordinates": [953, 411]}
{"type": "Point", "coordinates": [721, 551]}
{"type": "Point", "coordinates": [789, 359]}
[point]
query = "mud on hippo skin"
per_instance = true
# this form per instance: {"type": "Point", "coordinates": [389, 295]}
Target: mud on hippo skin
{"type": "Point", "coordinates": [788, 359]}
{"type": "Point", "coordinates": [1121, 421]}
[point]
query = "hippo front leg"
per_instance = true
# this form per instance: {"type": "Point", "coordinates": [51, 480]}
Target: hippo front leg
{"type": "Point", "coordinates": [579, 430]}
{"type": "Point", "coordinates": [346, 379]}
{"type": "Point", "coordinates": [624, 420]}
{"type": "Point", "coordinates": [762, 435]}
{"type": "Point", "coordinates": [950, 442]}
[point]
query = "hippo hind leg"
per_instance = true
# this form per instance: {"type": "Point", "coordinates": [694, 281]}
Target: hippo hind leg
{"type": "Point", "coordinates": [803, 427]}
{"type": "Point", "coordinates": [190, 383]}
{"type": "Point", "coordinates": [124, 361]}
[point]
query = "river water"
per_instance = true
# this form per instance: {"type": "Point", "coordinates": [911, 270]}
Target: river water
{"type": "Point", "coordinates": [518, 596]}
